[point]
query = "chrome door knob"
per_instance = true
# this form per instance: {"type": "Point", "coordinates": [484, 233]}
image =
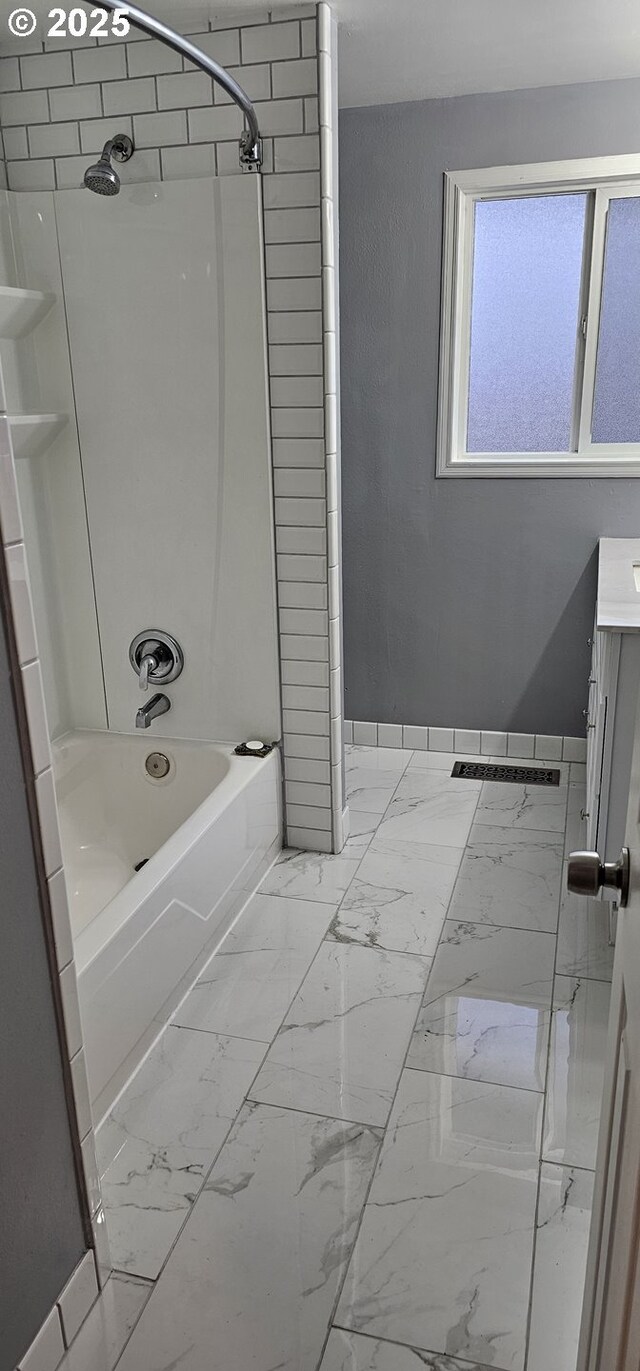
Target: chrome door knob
{"type": "Point", "coordinates": [587, 875]}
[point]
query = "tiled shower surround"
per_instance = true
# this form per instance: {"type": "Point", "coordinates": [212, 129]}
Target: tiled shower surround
{"type": "Point", "coordinates": [60, 101]}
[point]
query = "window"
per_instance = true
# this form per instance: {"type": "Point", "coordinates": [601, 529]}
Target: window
{"type": "Point", "coordinates": [540, 346]}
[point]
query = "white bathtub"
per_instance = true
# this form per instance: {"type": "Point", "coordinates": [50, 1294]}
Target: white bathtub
{"type": "Point", "coordinates": [206, 832]}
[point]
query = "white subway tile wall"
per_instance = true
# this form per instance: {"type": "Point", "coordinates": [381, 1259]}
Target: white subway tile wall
{"type": "Point", "coordinates": [59, 102]}
{"type": "Point", "coordinates": [48, 89]}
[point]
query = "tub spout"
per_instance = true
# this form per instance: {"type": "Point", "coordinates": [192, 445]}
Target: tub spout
{"type": "Point", "coordinates": [157, 705]}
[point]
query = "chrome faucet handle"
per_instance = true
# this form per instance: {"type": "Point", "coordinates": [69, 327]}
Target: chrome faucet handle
{"type": "Point", "coordinates": [156, 658]}
{"type": "Point", "coordinates": [148, 664]}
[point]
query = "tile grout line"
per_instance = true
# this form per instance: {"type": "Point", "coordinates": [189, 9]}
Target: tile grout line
{"type": "Point", "coordinates": [213, 1032]}
{"type": "Point", "coordinates": [254, 1104]}
{"type": "Point", "coordinates": [324, 939]}
{"type": "Point", "coordinates": [333, 856]}
{"type": "Point", "coordinates": [579, 976]}
{"type": "Point", "coordinates": [152, 1281]}
{"type": "Point", "coordinates": [534, 1249]}
{"type": "Point", "coordinates": [556, 839]}
{"type": "Point", "coordinates": [335, 941]}
{"type": "Point", "coordinates": [245, 1100]}
{"type": "Point", "coordinates": [541, 1093]}
{"type": "Point", "coordinates": [116, 1271]}
{"type": "Point", "coordinates": [544, 1093]}
{"type": "Point", "coordinates": [383, 1139]}
{"type": "Point", "coordinates": [571, 1166]}
{"type": "Point", "coordinates": [312, 1113]}
{"type": "Point", "coordinates": [460, 1362]}
{"type": "Point", "coordinates": [461, 848]}
{"type": "Point", "coordinates": [480, 1080]}
{"type": "Point", "coordinates": [192, 1207]}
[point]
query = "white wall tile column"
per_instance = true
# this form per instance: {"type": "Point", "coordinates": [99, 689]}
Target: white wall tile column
{"type": "Point", "coordinates": [302, 314]}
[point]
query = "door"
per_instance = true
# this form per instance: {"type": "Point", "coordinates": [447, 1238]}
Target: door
{"type": "Point", "coordinates": [610, 1335]}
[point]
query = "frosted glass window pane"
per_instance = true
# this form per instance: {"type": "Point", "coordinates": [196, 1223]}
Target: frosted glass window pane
{"type": "Point", "coordinates": [616, 406]}
{"type": "Point", "coordinates": [527, 268]}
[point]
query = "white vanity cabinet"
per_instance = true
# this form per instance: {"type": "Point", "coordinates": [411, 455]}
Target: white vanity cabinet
{"type": "Point", "coordinates": [614, 684]}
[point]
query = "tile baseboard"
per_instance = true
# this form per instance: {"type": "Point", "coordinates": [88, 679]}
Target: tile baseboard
{"type": "Point", "coordinates": [485, 743]}
{"type": "Point", "coordinates": [65, 1320]}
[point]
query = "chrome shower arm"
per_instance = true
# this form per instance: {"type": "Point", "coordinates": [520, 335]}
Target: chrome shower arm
{"type": "Point", "coordinates": [250, 140]}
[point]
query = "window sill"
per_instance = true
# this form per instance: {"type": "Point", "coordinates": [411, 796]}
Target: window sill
{"type": "Point", "coordinates": [545, 466]}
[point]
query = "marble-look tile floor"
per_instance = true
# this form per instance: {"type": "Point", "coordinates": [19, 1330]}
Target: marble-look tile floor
{"type": "Point", "coordinates": [367, 1140]}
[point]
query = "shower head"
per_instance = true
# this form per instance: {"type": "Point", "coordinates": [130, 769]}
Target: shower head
{"type": "Point", "coordinates": [102, 178]}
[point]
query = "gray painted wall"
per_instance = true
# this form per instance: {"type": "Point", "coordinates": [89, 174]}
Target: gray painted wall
{"type": "Point", "coordinates": [466, 602]}
{"type": "Point", "coordinates": [41, 1224]}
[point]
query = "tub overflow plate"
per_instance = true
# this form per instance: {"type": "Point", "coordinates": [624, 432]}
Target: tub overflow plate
{"type": "Point", "coordinates": [157, 765]}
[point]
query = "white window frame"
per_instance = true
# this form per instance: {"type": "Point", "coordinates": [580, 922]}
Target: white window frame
{"type": "Point", "coordinates": [606, 177]}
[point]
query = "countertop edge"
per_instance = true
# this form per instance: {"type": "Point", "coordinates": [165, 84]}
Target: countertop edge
{"type": "Point", "coordinates": [618, 601]}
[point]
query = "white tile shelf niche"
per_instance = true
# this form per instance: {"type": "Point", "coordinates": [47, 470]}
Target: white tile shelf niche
{"type": "Point", "coordinates": [32, 434]}
{"type": "Point", "coordinates": [21, 310]}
